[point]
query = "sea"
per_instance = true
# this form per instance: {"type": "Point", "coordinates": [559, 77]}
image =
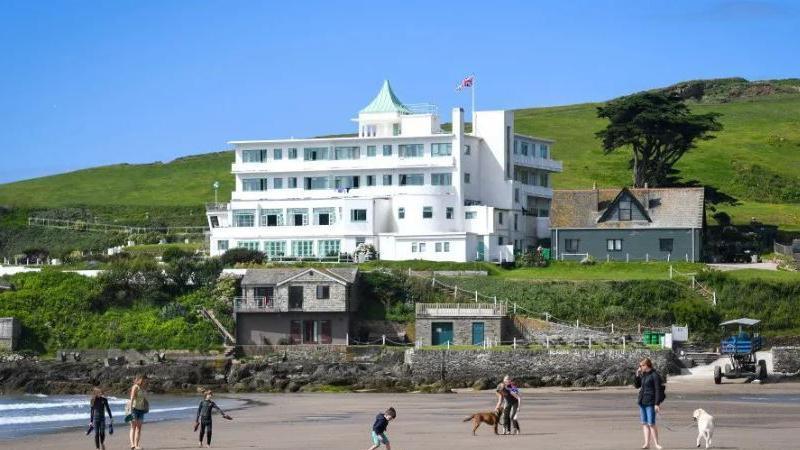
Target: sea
{"type": "Point", "coordinates": [30, 414]}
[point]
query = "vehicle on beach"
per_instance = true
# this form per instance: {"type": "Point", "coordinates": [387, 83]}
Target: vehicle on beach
{"type": "Point", "coordinates": [741, 345]}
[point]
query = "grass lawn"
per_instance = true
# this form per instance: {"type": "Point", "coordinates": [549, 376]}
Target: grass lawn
{"type": "Point", "coordinates": [566, 271]}
{"type": "Point", "coordinates": [770, 275]}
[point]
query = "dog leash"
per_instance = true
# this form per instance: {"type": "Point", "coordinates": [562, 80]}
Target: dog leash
{"type": "Point", "coordinates": [665, 424]}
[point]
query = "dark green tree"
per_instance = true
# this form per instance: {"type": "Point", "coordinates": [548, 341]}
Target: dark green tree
{"type": "Point", "coordinates": [658, 128]}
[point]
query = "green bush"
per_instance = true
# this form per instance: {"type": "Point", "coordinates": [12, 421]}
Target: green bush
{"type": "Point", "coordinates": [241, 255]}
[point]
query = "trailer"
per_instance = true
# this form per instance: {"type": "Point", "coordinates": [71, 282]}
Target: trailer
{"type": "Point", "coordinates": [740, 346]}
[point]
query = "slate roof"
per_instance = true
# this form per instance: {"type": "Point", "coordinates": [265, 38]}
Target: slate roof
{"type": "Point", "coordinates": [666, 207]}
{"type": "Point", "coordinates": [386, 101]}
{"type": "Point", "coordinates": [276, 276]}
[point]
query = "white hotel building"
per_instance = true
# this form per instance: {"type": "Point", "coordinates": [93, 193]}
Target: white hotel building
{"type": "Point", "coordinates": [404, 185]}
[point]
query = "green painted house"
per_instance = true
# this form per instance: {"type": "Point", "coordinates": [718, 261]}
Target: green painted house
{"type": "Point", "coordinates": [628, 224]}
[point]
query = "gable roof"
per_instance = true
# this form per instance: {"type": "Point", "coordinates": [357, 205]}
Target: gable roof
{"type": "Point", "coordinates": [666, 208]}
{"type": "Point", "coordinates": [344, 275]}
{"type": "Point", "coordinates": [625, 192]}
{"type": "Point", "coordinates": [386, 101]}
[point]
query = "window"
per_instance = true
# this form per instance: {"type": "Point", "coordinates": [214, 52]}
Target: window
{"type": "Point", "coordinates": [614, 245]}
{"type": "Point", "coordinates": [312, 183]}
{"type": "Point", "coordinates": [624, 209]}
{"type": "Point", "coordinates": [427, 212]}
{"type": "Point", "coordinates": [499, 240]}
{"type": "Point", "coordinates": [244, 218]}
{"type": "Point", "coordinates": [411, 150]}
{"type": "Point", "coordinates": [291, 182]}
{"type": "Point", "coordinates": [275, 249]}
{"type": "Point", "coordinates": [296, 297]}
{"type": "Point", "coordinates": [277, 153]}
{"type": "Point", "coordinates": [303, 248]}
{"type": "Point", "coordinates": [298, 217]}
{"type": "Point", "coordinates": [467, 150]}
{"type": "Point", "coordinates": [516, 195]}
{"type": "Point", "coordinates": [277, 183]}
{"type": "Point", "coordinates": [422, 247]}
{"type": "Point", "coordinates": [272, 217]}
{"type": "Point", "coordinates": [466, 177]}
{"type": "Point", "coordinates": [516, 146]}
{"type": "Point", "coordinates": [250, 245]}
{"type": "Point", "coordinates": [387, 180]}
{"type": "Point", "coordinates": [254, 184]}
{"type": "Point", "coordinates": [387, 150]}
{"type": "Point", "coordinates": [543, 151]}
{"type": "Point", "coordinates": [346, 182]}
{"type": "Point", "coordinates": [524, 148]}
{"type": "Point", "coordinates": [446, 247]}
{"type": "Point", "coordinates": [371, 150]}
{"type": "Point", "coordinates": [358, 215]}
{"type": "Point", "coordinates": [372, 130]}
{"type": "Point", "coordinates": [323, 292]}
{"type": "Point", "coordinates": [545, 180]}
{"type": "Point", "coordinates": [214, 221]}
{"type": "Point", "coordinates": [396, 129]}
{"type": "Point", "coordinates": [441, 179]}
{"type": "Point", "coordinates": [516, 220]}
{"type": "Point", "coordinates": [222, 245]}
{"type": "Point", "coordinates": [414, 247]}
{"type": "Point", "coordinates": [346, 153]}
{"type": "Point", "coordinates": [360, 240]}
{"type": "Point", "coordinates": [571, 245]}
{"type": "Point", "coordinates": [292, 153]}
{"type": "Point", "coordinates": [254, 156]}
{"type": "Point", "coordinates": [329, 247]}
{"type": "Point", "coordinates": [544, 212]}
{"type": "Point", "coordinates": [500, 218]}
{"type": "Point", "coordinates": [448, 212]}
{"type": "Point", "coordinates": [401, 213]}
{"type": "Point", "coordinates": [412, 179]}
{"type": "Point", "coordinates": [665, 245]}
{"type": "Point", "coordinates": [324, 216]}
{"type": "Point", "coordinates": [315, 153]}
{"type": "Point", "coordinates": [370, 180]}
{"type": "Point", "coordinates": [469, 215]}
{"type": "Point", "coordinates": [441, 149]}
{"type": "Point", "coordinates": [437, 247]}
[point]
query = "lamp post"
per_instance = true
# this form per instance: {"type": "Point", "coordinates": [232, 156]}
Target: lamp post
{"type": "Point", "coordinates": [216, 189]}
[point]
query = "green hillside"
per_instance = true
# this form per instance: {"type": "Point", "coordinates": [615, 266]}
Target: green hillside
{"type": "Point", "coordinates": [755, 159]}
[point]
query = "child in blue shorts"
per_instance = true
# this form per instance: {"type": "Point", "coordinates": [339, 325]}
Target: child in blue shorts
{"type": "Point", "coordinates": [379, 429]}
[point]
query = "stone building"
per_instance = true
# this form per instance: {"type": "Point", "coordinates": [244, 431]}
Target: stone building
{"type": "Point", "coordinates": [295, 306]}
{"type": "Point", "coordinates": [460, 323]}
{"type": "Point", "coordinates": [9, 333]}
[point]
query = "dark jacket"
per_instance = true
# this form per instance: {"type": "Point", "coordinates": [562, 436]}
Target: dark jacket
{"type": "Point", "coordinates": [649, 385]}
{"type": "Point", "coordinates": [205, 409]}
{"type": "Point", "coordinates": [99, 407]}
{"type": "Point", "coordinates": [380, 425]}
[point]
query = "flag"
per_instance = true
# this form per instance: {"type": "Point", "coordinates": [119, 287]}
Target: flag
{"type": "Point", "coordinates": [465, 83]}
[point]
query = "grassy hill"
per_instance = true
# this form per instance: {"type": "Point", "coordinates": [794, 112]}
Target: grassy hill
{"type": "Point", "coordinates": [756, 159]}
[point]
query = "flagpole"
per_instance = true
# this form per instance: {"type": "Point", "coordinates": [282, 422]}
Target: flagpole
{"type": "Point", "coordinates": [474, 83]}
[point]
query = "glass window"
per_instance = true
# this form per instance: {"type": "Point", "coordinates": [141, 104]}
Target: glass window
{"type": "Point", "coordinates": [500, 218]}
{"type": "Point", "coordinates": [346, 182]}
{"type": "Point", "coordinates": [250, 245]}
{"type": "Point", "coordinates": [371, 150]}
{"type": "Point", "coordinates": [544, 212]}
{"type": "Point", "coordinates": [358, 215]}
{"type": "Point", "coordinates": [441, 149]}
{"type": "Point", "coordinates": [292, 182]}
{"type": "Point", "coordinates": [544, 151]}
{"type": "Point", "coordinates": [387, 180]}
{"type": "Point", "coordinates": [441, 179]}
{"type": "Point", "coordinates": [346, 152]}
{"type": "Point", "coordinates": [275, 249]}
{"type": "Point", "coordinates": [244, 218]}
{"type": "Point", "coordinates": [292, 153]}
{"type": "Point", "coordinates": [614, 245]}
{"type": "Point", "coordinates": [324, 216]}
{"type": "Point", "coordinates": [446, 247]}
{"type": "Point", "coordinates": [323, 291]}
{"type": "Point", "coordinates": [414, 247]}
{"type": "Point", "coordinates": [469, 215]}
{"type": "Point", "coordinates": [277, 153]}
{"type": "Point", "coordinates": [466, 177]}
{"type": "Point", "coordinates": [272, 218]}
{"type": "Point", "coordinates": [499, 240]}
{"type": "Point", "coordinates": [222, 245]}
{"type": "Point", "coordinates": [411, 150]}
{"type": "Point", "coordinates": [448, 213]}
{"type": "Point", "coordinates": [370, 180]}
{"type": "Point", "coordinates": [467, 150]}
{"type": "Point", "coordinates": [516, 195]}
{"type": "Point", "coordinates": [254, 184]}
{"type": "Point", "coordinates": [665, 245]}
{"type": "Point", "coordinates": [315, 153]}
{"type": "Point", "coordinates": [427, 212]}
{"type": "Point", "coordinates": [625, 209]}
{"type": "Point", "coordinates": [254, 156]}
{"type": "Point", "coordinates": [412, 179]}
{"type": "Point", "coordinates": [516, 219]}
{"type": "Point", "coordinates": [329, 247]}
{"type": "Point", "coordinates": [516, 146]}
{"type": "Point", "coordinates": [437, 247]}
{"type": "Point", "coordinates": [401, 213]}
{"type": "Point", "coordinates": [545, 179]}
{"type": "Point", "coordinates": [387, 150]}
{"type": "Point", "coordinates": [277, 183]}
{"type": "Point", "coordinates": [303, 248]}
{"type": "Point", "coordinates": [298, 217]}
{"type": "Point", "coordinates": [572, 245]}
{"type": "Point", "coordinates": [422, 247]}
{"type": "Point", "coordinates": [524, 148]}
{"type": "Point", "coordinates": [312, 183]}
{"type": "Point", "coordinates": [396, 129]}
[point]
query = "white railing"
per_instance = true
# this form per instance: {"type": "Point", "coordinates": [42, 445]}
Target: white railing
{"type": "Point", "coordinates": [254, 304]}
{"type": "Point", "coordinates": [423, 108]}
{"type": "Point", "coordinates": [461, 309]}
{"type": "Point", "coordinates": [539, 163]}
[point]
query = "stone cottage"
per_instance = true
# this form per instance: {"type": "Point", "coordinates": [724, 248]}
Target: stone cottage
{"type": "Point", "coordinates": [460, 323]}
{"type": "Point", "coordinates": [295, 306]}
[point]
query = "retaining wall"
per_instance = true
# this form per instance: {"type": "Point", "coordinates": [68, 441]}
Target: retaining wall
{"type": "Point", "coordinates": [786, 359]}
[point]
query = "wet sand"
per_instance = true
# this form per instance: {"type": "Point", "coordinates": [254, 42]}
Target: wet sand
{"type": "Point", "coordinates": [747, 417]}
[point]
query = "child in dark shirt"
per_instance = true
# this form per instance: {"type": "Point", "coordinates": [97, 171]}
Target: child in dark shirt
{"type": "Point", "coordinates": [379, 429]}
{"type": "Point", "coordinates": [203, 419]}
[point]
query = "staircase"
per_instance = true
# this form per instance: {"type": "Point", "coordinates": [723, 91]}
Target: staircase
{"type": "Point", "coordinates": [228, 339]}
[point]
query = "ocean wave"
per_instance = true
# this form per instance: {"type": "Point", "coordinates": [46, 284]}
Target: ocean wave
{"type": "Point", "coordinates": [21, 420]}
{"type": "Point", "coordinates": [64, 404]}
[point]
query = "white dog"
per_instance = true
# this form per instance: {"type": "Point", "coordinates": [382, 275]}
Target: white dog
{"type": "Point", "coordinates": [705, 426]}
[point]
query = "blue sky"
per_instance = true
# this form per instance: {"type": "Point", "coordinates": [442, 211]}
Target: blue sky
{"type": "Point", "coordinates": [84, 83]}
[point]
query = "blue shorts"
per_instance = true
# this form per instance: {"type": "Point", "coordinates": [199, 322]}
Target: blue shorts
{"type": "Point", "coordinates": [138, 414]}
{"type": "Point", "coordinates": [648, 414]}
{"type": "Point", "coordinates": [378, 439]}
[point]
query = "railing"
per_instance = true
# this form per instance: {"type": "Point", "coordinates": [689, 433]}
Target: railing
{"type": "Point", "coordinates": [539, 163]}
{"type": "Point", "coordinates": [81, 225]}
{"type": "Point", "coordinates": [254, 304]}
{"type": "Point", "coordinates": [461, 309]}
{"type": "Point", "coordinates": [423, 108]}
{"type": "Point", "coordinates": [217, 206]}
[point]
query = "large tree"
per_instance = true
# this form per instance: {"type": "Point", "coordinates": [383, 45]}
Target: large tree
{"type": "Point", "coordinates": [658, 128]}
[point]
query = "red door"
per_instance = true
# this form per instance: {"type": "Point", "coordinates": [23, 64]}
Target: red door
{"type": "Point", "coordinates": [309, 335]}
{"type": "Point", "coordinates": [325, 332]}
{"type": "Point", "coordinates": [294, 332]}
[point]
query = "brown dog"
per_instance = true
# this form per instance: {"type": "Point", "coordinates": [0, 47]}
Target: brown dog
{"type": "Point", "coordinates": [489, 418]}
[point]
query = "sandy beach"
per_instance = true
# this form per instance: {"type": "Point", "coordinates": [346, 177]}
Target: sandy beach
{"type": "Point", "coordinates": [747, 416]}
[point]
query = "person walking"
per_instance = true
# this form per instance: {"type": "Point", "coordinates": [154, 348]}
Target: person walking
{"type": "Point", "coordinates": [203, 418]}
{"type": "Point", "coordinates": [138, 406]}
{"type": "Point", "coordinates": [379, 427]}
{"type": "Point", "coordinates": [508, 398]}
{"type": "Point", "coordinates": [97, 418]}
{"type": "Point", "coordinates": [651, 394]}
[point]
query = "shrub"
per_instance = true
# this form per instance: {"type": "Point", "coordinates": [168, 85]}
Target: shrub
{"type": "Point", "coordinates": [241, 255]}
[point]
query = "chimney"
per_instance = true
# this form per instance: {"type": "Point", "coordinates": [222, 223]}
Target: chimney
{"type": "Point", "coordinates": [458, 121]}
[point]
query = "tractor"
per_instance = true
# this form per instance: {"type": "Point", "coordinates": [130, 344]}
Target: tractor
{"type": "Point", "coordinates": [740, 346]}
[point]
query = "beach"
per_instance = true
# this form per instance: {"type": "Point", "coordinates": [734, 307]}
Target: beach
{"type": "Point", "coordinates": [747, 417]}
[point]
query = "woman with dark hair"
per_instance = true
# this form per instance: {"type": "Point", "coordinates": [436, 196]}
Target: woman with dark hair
{"type": "Point", "coordinates": [649, 383]}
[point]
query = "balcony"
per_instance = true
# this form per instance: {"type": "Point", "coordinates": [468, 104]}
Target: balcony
{"type": "Point", "coordinates": [534, 191]}
{"type": "Point", "coordinates": [217, 207]}
{"type": "Point", "coordinates": [254, 304]}
{"type": "Point", "coordinates": [549, 165]}
{"type": "Point", "coordinates": [461, 310]}
{"type": "Point", "coordinates": [328, 165]}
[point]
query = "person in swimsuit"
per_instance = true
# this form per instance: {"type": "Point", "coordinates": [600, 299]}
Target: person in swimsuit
{"type": "Point", "coordinates": [203, 418]}
{"type": "Point", "coordinates": [97, 419]}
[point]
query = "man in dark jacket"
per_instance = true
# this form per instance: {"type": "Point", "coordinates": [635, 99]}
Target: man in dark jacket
{"type": "Point", "coordinates": [649, 383]}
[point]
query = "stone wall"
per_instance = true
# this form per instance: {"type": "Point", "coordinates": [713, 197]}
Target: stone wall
{"type": "Point", "coordinates": [534, 368]}
{"type": "Point", "coordinates": [786, 359]}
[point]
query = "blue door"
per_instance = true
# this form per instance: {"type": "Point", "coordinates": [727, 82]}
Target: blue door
{"type": "Point", "coordinates": [477, 333]}
{"type": "Point", "coordinates": [441, 333]}
{"type": "Point", "coordinates": [481, 251]}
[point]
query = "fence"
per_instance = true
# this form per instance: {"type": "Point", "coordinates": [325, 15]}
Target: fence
{"type": "Point", "coordinates": [82, 225]}
{"type": "Point", "coordinates": [787, 250]}
{"type": "Point", "coordinates": [701, 288]}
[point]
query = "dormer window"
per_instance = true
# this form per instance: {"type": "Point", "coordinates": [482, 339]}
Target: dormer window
{"type": "Point", "coordinates": [625, 209]}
